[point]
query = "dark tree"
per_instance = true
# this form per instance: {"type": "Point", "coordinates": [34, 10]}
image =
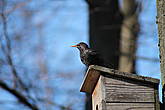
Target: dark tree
{"type": "Point", "coordinates": [105, 28]}
{"type": "Point", "coordinates": [113, 32]}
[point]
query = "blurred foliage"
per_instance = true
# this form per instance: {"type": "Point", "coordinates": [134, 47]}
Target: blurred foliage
{"type": "Point", "coordinates": [30, 55]}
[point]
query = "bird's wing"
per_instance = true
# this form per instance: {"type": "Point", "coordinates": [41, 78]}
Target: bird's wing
{"type": "Point", "coordinates": [94, 57]}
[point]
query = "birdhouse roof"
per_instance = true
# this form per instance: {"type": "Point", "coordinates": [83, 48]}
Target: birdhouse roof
{"type": "Point", "coordinates": [94, 72]}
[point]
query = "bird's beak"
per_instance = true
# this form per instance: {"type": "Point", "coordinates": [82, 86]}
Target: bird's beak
{"type": "Point", "coordinates": [74, 46]}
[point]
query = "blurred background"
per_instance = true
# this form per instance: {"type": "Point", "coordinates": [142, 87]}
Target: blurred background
{"type": "Point", "coordinates": [39, 69]}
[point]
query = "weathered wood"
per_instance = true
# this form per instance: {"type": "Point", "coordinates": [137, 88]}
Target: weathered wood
{"type": "Point", "coordinates": [93, 68]}
{"type": "Point", "coordinates": [114, 90]}
{"type": "Point", "coordinates": [157, 103]}
{"type": "Point", "coordinates": [130, 106]}
{"type": "Point", "coordinates": [90, 81]}
{"type": "Point", "coordinates": [98, 95]}
{"type": "Point", "coordinates": [119, 90]}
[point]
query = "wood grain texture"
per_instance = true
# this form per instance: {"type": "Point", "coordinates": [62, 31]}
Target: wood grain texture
{"type": "Point", "coordinates": [90, 81]}
{"type": "Point", "coordinates": [98, 95]}
{"type": "Point", "coordinates": [130, 106]}
{"type": "Point", "coordinates": [119, 90]}
{"type": "Point", "coordinates": [94, 73]}
{"type": "Point", "coordinates": [157, 104]}
{"type": "Point", "coordinates": [117, 73]}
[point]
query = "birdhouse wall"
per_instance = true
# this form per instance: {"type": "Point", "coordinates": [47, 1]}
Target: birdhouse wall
{"type": "Point", "coordinates": [98, 95]}
{"type": "Point", "coordinates": [115, 90]}
{"type": "Point", "coordinates": [115, 93]}
{"type": "Point", "coordinates": [124, 90]}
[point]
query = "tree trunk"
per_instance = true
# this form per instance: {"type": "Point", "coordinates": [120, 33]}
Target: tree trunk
{"type": "Point", "coordinates": [105, 27]}
{"type": "Point", "coordinates": [105, 22]}
{"type": "Point", "coordinates": [129, 35]}
{"type": "Point", "coordinates": [161, 32]}
{"type": "Point", "coordinates": [112, 34]}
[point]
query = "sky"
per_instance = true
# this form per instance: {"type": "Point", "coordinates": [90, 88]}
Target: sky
{"type": "Point", "coordinates": [148, 41]}
{"type": "Point", "coordinates": [67, 24]}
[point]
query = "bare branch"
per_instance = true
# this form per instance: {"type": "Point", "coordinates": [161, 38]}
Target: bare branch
{"type": "Point", "coordinates": [62, 107]}
{"type": "Point", "coordinates": [18, 95]}
{"type": "Point", "coordinates": [19, 5]}
{"type": "Point", "coordinates": [7, 50]}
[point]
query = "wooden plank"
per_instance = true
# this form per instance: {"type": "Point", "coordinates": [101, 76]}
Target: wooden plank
{"type": "Point", "coordinates": [157, 104]}
{"type": "Point", "coordinates": [117, 73]}
{"type": "Point", "coordinates": [90, 81]}
{"type": "Point", "coordinates": [94, 72]}
{"type": "Point", "coordinates": [98, 95]}
{"type": "Point", "coordinates": [119, 90]}
{"type": "Point", "coordinates": [130, 106]}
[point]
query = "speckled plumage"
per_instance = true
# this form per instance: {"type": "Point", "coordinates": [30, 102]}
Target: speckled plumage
{"type": "Point", "coordinates": [89, 56]}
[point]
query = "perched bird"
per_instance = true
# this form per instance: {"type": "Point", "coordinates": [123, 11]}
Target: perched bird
{"type": "Point", "coordinates": [89, 56]}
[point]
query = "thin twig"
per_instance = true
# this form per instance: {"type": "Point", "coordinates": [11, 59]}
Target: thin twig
{"type": "Point", "coordinates": [18, 95]}
{"type": "Point", "coordinates": [7, 51]}
{"type": "Point", "coordinates": [19, 5]}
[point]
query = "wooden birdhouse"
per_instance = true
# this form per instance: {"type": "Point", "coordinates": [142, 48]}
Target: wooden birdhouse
{"type": "Point", "coordinates": [114, 90]}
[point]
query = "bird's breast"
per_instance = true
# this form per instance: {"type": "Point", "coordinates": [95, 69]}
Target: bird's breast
{"type": "Point", "coordinates": [84, 59]}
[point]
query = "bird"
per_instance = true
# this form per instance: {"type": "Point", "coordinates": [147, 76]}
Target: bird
{"type": "Point", "coordinates": [89, 56]}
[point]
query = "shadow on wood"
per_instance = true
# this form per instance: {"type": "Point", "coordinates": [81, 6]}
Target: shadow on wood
{"type": "Point", "coordinates": [114, 90]}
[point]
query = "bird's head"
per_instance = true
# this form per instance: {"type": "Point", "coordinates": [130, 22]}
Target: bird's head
{"type": "Point", "coordinates": [81, 46]}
